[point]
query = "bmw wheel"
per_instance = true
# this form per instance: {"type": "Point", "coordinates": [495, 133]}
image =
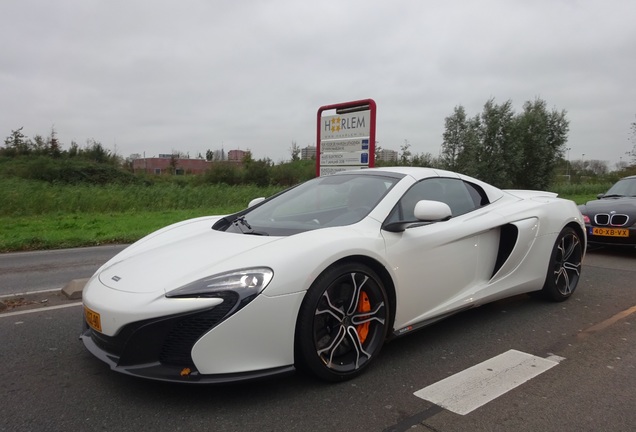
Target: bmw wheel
{"type": "Point", "coordinates": [564, 270]}
{"type": "Point", "coordinates": [343, 322]}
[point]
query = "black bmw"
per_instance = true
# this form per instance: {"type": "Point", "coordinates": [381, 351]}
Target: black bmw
{"type": "Point", "coordinates": [611, 219]}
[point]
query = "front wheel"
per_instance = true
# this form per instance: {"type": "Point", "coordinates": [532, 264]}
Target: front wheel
{"type": "Point", "coordinates": [564, 270]}
{"type": "Point", "coordinates": [342, 322]}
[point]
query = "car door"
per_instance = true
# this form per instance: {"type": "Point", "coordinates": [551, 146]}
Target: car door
{"type": "Point", "coordinates": [437, 264]}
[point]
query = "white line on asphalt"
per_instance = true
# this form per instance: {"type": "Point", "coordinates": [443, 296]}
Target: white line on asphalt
{"type": "Point", "coordinates": [42, 309]}
{"type": "Point", "coordinates": [471, 388]}
{"type": "Point", "coordinates": [30, 292]}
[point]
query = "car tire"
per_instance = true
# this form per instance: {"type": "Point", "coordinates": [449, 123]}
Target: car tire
{"type": "Point", "coordinates": [342, 323]}
{"type": "Point", "coordinates": [564, 270]}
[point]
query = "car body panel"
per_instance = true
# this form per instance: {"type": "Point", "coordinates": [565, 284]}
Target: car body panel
{"type": "Point", "coordinates": [435, 268]}
{"type": "Point", "coordinates": [255, 349]}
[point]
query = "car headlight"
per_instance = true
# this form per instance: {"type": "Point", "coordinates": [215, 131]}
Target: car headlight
{"type": "Point", "coordinates": [247, 283]}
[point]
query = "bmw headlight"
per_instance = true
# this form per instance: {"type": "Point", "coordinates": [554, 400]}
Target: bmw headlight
{"type": "Point", "coordinates": [247, 283]}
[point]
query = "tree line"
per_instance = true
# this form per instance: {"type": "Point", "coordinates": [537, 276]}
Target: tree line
{"type": "Point", "coordinates": [522, 150]}
{"type": "Point", "coordinates": [512, 150]}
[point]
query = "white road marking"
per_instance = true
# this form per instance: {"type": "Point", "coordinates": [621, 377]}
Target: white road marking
{"type": "Point", "coordinates": [468, 390]}
{"type": "Point", "coordinates": [42, 309]}
{"type": "Point", "coordinates": [30, 292]}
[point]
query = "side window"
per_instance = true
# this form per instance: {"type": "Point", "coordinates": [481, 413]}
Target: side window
{"type": "Point", "coordinates": [457, 197]}
{"type": "Point", "coordinates": [461, 197]}
{"type": "Point", "coordinates": [477, 194]}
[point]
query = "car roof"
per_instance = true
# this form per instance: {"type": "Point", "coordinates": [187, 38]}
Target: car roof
{"type": "Point", "coordinates": [420, 173]}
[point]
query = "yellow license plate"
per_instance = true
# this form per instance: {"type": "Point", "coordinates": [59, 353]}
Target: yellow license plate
{"type": "Point", "coordinates": [93, 319]}
{"type": "Point", "coordinates": [610, 232]}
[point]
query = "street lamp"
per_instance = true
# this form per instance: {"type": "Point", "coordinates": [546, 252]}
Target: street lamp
{"type": "Point", "coordinates": [567, 166]}
{"type": "Point", "coordinates": [583, 163]}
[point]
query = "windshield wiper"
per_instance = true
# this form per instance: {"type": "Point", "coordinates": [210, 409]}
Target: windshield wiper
{"type": "Point", "coordinates": [241, 222]}
{"type": "Point", "coordinates": [613, 196]}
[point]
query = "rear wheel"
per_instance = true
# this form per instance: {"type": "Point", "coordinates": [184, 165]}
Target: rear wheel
{"type": "Point", "coordinates": [342, 323]}
{"type": "Point", "coordinates": [564, 270]}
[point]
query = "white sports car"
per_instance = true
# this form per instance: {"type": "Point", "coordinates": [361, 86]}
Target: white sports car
{"type": "Point", "coordinates": [322, 274]}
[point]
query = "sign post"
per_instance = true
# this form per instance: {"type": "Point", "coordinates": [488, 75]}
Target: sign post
{"type": "Point", "coordinates": [346, 139]}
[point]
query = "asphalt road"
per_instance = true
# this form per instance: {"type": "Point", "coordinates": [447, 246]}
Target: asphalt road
{"type": "Point", "coordinates": [45, 270]}
{"type": "Point", "coordinates": [51, 383]}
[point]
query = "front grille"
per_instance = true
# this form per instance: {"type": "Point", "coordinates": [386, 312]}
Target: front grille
{"type": "Point", "coordinates": [165, 339]}
{"type": "Point", "coordinates": [601, 219]}
{"type": "Point", "coordinates": [619, 220]}
{"type": "Point", "coordinates": [184, 334]}
{"type": "Point", "coordinates": [616, 220]}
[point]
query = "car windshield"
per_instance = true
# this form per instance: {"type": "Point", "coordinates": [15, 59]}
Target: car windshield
{"type": "Point", "coordinates": [624, 187]}
{"type": "Point", "coordinates": [330, 201]}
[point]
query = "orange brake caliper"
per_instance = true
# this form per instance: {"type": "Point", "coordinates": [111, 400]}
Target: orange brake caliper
{"type": "Point", "coordinates": [363, 306]}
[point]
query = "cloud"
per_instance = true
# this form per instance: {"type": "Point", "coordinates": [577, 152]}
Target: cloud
{"type": "Point", "coordinates": [157, 76]}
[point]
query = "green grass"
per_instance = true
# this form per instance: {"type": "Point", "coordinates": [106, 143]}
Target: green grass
{"type": "Point", "coordinates": [579, 199]}
{"type": "Point", "coordinates": [38, 215]}
{"type": "Point", "coordinates": [580, 190]}
{"type": "Point", "coordinates": [88, 229]}
{"type": "Point", "coordinates": [19, 197]}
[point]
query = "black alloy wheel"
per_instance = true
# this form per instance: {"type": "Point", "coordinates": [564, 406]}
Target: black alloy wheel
{"type": "Point", "coordinates": [564, 270]}
{"type": "Point", "coordinates": [343, 322]}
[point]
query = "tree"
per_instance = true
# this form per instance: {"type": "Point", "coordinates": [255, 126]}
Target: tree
{"type": "Point", "coordinates": [632, 153]}
{"type": "Point", "coordinates": [257, 172]}
{"type": "Point", "coordinates": [405, 153]}
{"type": "Point", "coordinates": [17, 143]}
{"type": "Point", "coordinates": [597, 167]}
{"type": "Point", "coordinates": [506, 149]}
{"type": "Point", "coordinates": [96, 152]}
{"type": "Point", "coordinates": [454, 139]}
{"type": "Point", "coordinates": [295, 151]}
{"type": "Point", "coordinates": [496, 147]}
{"type": "Point", "coordinates": [424, 160]}
{"type": "Point", "coordinates": [542, 136]}
{"type": "Point", "coordinates": [73, 150]}
{"type": "Point", "coordinates": [40, 146]}
{"type": "Point", "coordinates": [173, 163]}
{"type": "Point", "coordinates": [247, 158]}
{"type": "Point", "coordinates": [378, 151]}
{"type": "Point", "coordinates": [53, 144]}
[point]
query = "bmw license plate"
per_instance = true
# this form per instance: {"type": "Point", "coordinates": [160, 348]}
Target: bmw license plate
{"type": "Point", "coordinates": [93, 319]}
{"type": "Point", "coordinates": [610, 232]}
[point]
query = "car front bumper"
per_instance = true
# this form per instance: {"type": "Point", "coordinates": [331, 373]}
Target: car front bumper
{"type": "Point", "coordinates": [213, 345]}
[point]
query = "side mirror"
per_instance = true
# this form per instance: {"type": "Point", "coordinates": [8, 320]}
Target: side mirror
{"type": "Point", "coordinates": [425, 212]}
{"type": "Point", "coordinates": [255, 201]}
{"type": "Point", "coordinates": [430, 211]}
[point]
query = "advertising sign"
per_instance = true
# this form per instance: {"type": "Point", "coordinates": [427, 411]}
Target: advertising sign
{"type": "Point", "coordinates": [346, 139]}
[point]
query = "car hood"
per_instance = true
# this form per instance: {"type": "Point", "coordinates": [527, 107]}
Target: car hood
{"type": "Point", "coordinates": [176, 256]}
{"type": "Point", "coordinates": [625, 205]}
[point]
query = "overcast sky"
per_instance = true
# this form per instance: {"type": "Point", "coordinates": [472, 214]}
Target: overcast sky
{"type": "Point", "coordinates": [155, 76]}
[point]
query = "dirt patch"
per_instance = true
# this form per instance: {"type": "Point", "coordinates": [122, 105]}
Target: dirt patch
{"type": "Point", "coordinates": [33, 301]}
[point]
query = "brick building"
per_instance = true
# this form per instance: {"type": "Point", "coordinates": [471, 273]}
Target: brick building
{"type": "Point", "coordinates": [165, 165]}
{"type": "Point", "coordinates": [236, 155]}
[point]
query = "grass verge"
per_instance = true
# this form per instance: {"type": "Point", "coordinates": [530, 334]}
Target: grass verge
{"type": "Point", "coordinates": [88, 229]}
{"type": "Point", "coordinates": [65, 230]}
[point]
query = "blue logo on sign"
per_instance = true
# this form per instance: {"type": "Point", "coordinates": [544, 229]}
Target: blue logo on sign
{"type": "Point", "coordinates": [365, 144]}
{"type": "Point", "coordinates": [364, 158]}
